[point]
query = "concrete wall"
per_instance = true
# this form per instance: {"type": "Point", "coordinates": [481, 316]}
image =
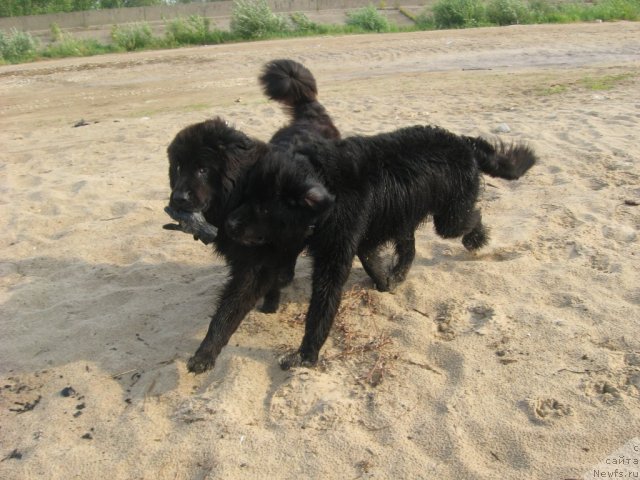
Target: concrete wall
{"type": "Point", "coordinates": [94, 18]}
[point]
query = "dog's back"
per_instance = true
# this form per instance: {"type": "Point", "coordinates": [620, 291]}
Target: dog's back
{"type": "Point", "coordinates": [416, 172]}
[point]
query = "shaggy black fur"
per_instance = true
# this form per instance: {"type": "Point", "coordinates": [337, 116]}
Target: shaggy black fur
{"type": "Point", "coordinates": [357, 194]}
{"type": "Point", "coordinates": [208, 162]}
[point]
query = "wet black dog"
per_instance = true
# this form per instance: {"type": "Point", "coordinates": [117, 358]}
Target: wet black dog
{"type": "Point", "coordinates": [359, 193]}
{"type": "Point", "coordinates": [208, 162]}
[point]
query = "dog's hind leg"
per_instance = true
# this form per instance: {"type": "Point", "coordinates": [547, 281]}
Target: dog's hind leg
{"type": "Point", "coordinates": [405, 247]}
{"type": "Point", "coordinates": [271, 300]}
{"type": "Point", "coordinates": [462, 221]}
{"type": "Point", "coordinates": [285, 277]}
{"type": "Point", "coordinates": [476, 235]}
{"type": "Point", "coordinates": [372, 264]}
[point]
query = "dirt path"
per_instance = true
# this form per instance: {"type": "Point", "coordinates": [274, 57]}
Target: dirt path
{"type": "Point", "coordinates": [130, 84]}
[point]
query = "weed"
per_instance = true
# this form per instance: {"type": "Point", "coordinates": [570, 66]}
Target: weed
{"type": "Point", "coordinates": [302, 24]}
{"type": "Point", "coordinates": [507, 12]}
{"type": "Point", "coordinates": [136, 36]}
{"type": "Point", "coordinates": [194, 30]}
{"type": "Point", "coordinates": [552, 89]}
{"type": "Point", "coordinates": [68, 46]}
{"type": "Point", "coordinates": [368, 19]}
{"type": "Point", "coordinates": [17, 46]}
{"type": "Point", "coordinates": [458, 13]}
{"type": "Point", "coordinates": [604, 83]}
{"type": "Point", "coordinates": [253, 19]}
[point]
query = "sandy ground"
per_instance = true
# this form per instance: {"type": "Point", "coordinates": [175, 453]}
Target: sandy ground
{"type": "Point", "coordinates": [520, 362]}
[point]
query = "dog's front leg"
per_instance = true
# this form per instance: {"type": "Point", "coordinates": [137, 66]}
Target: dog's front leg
{"type": "Point", "coordinates": [239, 296]}
{"type": "Point", "coordinates": [330, 273]}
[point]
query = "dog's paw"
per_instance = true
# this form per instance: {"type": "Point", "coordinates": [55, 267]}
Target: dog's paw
{"type": "Point", "coordinates": [268, 308]}
{"type": "Point", "coordinates": [200, 363]}
{"type": "Point", "coordinates": [389, 285]}
{"type": "Point", "coordinates": [294, 359]}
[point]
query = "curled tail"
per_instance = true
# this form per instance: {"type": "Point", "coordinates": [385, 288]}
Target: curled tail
{"type": "Point", "coordinates": [500, 160]}
{"type": "Point", "coordinates": [288, 82]}
{"type": "Point", "coordinates": [293, 85]}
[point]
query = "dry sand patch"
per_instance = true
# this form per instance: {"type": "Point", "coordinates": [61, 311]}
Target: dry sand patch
{"type": "Point", "coordinates": [518, 362]}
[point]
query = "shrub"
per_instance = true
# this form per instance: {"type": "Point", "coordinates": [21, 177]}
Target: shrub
{"type": "Point", "coordinates": [132, 37]}
{"type": "Point", "coordinates": [17, 46]}
{"type": "Point", "coordinates": [425, 21]}
{"type": "Point", "coordinates": [369, 19]}
{"type": "Point", "coordinates": [541, 11]}
{"type": "Point", "coordinates": [458, 13]}
{"type": "Point", "coordinates": [252, 19]}
{"type": "Point", "coordinates": [614, 10]}
{"type": "Point", "coordinates": [195, 29]}
{"type": "Point", "coordinates": [69, 46]}
{"type": "Point", "coordinates": [301, 23]}
{"type": "Point", "coordinates": [190, 30]}
{"type": "Point", "coordinates": [56, 32]}
{"type": "Point", "coordinates": [506, 12]}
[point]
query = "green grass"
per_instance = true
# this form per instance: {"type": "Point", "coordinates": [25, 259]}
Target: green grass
{"type": "Point", "coordinates": [551, 90]}
{"type": "Point", "coordinates": [607, 82]}
{"type": "Point", "coordinates": [254, 20]}
{"type": "Point", "coordinates": [600, 83]}
{"type": "Point", "coordinates": [458, 13]}
{"type": "Point", "coordinates": [472, 13]}
{"type": "Point", "coordinates": [17, 46]}
{"type": "Point", "coordinates": [368, 19]}
{"type": "Point", "coordinates": [194, 30]}
{"type": "Point", "coordinates": [66, 45]}
{"type": "Point", "coordinates": [137, 36]}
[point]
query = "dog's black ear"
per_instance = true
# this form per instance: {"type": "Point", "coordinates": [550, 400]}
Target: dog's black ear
{"type": "Point", "coordinates": [318, 198]}
{"type": "Point", "coordinates": [219, 135]}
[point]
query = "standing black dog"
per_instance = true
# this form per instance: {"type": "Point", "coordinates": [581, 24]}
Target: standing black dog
{"type": "Point", "coordinates": [359, 193]}
{"type": "Point", "coordinates": [208, 163]}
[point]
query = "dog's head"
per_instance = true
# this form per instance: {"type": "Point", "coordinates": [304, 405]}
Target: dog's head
{"type": "Point", "coordinates": [282, 202]}
{"type": "Point", "coordinates": [205, 161]}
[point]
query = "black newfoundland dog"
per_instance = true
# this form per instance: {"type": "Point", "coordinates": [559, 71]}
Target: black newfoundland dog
{"type": "Point", "coordinates": [349, 197]}
{"type": "Point", "coordinates": [208, 163]}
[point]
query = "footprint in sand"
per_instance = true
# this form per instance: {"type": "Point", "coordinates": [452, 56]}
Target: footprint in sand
{"type": "Point", "coordinates": [120, 209]}
{"type": "Point", "coordinates": [447, 313]}
{"type": "Point", "coordinates": [546, 410]}
{"type": "Point", "coordinates": [313, 400]}
{"type": "Point", "coordinates": [619, 233]}
{"type": "Point", "coordinates": [604, 390]}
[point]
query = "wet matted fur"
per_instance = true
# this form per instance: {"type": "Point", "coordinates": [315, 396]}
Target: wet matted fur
{"type": "Point", "coordinates": [357, 194]}
{"type": "Point", "coordinates": [208, 162]}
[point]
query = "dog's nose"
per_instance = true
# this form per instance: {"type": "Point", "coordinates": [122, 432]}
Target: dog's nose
{"type": "Point", "coordinates": [180, 199]}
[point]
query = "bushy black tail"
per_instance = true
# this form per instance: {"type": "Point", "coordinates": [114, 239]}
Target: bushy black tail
{"type": "Point", "coordinates": [288, 82]}
{"type": "Point", "coordinates": [500, 160]}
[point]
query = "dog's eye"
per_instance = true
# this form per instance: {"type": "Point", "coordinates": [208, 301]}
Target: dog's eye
{"type": "Point", "coordinates": [203, 171]}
